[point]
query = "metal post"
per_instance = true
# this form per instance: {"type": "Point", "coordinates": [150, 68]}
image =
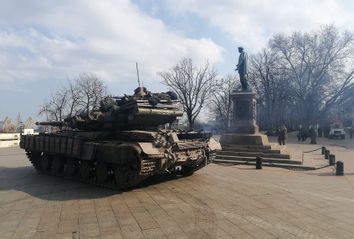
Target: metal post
{"type": "Point", "coordinates": [327, 152]}
{"type": "Point", "coordinates": [259, 162]}
{"type": "Point", "coordinates": [332, 159]}
{"type": "Point", "coordinates": [323, 150]}
{"type": "Point", "coordinates": [340, 168]}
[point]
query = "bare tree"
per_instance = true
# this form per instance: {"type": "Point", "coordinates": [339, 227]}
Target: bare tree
{"type": "Point", "coordinates": [73, 106]}
{"type": "Point", "coordinates": [300, 77]}
{"type": "Point", "coordinates": [82, 95]}
{"type": "Point", "coordinates": [271, 83]}
{"type": "Point", "coordinates": [316, 65]}
{"type": "Point", "coordinates": [91, 91]}
{"type": "Point", "coordinates": [18, 122]}
{"type": "Point", "coordinates": [192, 85]}
{"type": "Point", "coordinates": [220, 102]}
{"type": "Point", "coordinates": [54, 108]}
{"type": "Point", "coordinates": [8, 126]}
{"type": "Point", "coordinates": [29, 123]}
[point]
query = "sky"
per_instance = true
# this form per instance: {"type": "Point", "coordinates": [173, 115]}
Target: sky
{"type": "Point", "coordinates": [44, 44]}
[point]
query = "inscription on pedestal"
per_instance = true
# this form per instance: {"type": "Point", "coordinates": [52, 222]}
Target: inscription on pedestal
{"type": "Point", "coordinates": [242, 111]}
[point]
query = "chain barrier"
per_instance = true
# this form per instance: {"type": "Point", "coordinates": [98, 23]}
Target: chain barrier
{"type": "Point", "coordinates": [271, 164]}
{"type": "Point", "coordinates": [305, 152]}
{"type": "Point", "coordinates": [302, 162]}
{"type": "Point", "coordinates": [303, 169]}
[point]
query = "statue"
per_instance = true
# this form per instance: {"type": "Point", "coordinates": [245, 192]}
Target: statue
{"type": "Point", "coordinates": [242, 69]}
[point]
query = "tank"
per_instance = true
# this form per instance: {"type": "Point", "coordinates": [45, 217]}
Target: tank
{"type": "Point", "coordinates": [127, 140]}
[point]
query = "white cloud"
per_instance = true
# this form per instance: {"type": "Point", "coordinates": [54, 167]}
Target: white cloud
{"type": "Point", "coordinates": [49, 39]}
{"type": "Point", "coordinates": [252, 22]}
{"type": "Point", "coordinates": [44, 42]}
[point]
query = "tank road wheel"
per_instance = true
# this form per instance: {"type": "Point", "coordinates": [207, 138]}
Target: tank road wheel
{"type": "Point", "coordinates": [120, 175]}
{"type": "Point", "coordinates": [187, 170]}
{"type": "Point", "coordinates": [57, 165]}
{"type": "Point", "coordinates": [102, 172]}
{"type": "Point", "coordinates": [134, 164]}
{"type": "Point", "coordinates": [71, 167]}
{"type": "Point", "coordinates": [46, 162]}
{"type": "Point", "coordinates": [35, 159]}
{"type": "Point", "coordinates": [85, 169]}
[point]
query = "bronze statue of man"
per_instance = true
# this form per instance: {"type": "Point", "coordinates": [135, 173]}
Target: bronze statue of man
{"type": "Point", "coordinates": [242, 69]}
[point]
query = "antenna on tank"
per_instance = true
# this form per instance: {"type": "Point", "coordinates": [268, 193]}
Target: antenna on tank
{"type": "Point", "coordinates": [137, 72]}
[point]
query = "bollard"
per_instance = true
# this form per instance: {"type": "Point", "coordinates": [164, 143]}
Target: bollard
{"type": "Point", "coordinates": [323, 150]}
{"type": "Point", "coordinates": [332, 159]}
{"type": "Point", "coordinates": [327, 152]}
{"type": "Point", "coordinates": [340, 168]}
{"type": "Point", "coordinates": [258, 162]}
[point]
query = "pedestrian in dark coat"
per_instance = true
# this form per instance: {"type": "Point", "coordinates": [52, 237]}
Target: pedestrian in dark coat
{"type": "Point", "coordinates": [283, 133]}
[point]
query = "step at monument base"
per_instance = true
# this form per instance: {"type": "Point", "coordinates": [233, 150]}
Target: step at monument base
{"type": "Point", "coordinates": [266, 164]}
{"type": "Point", "coordinates": [245, 148]}
{"type": "Point", "coordinates": [253, 159]}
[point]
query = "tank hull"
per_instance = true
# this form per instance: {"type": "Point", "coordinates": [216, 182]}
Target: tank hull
{"type": "Point", "coordinates": [117, 159]}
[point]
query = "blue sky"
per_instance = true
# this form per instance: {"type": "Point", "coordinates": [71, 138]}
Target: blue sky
{"type": "Point", "coordinates": [43, 44]}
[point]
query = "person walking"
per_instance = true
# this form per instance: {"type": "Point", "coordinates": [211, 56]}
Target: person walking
{"type": "Point", "coordinates": [283, 133]}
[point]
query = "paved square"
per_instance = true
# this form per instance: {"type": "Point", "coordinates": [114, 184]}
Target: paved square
{"type": "Point", "coordinates": [218, 201]}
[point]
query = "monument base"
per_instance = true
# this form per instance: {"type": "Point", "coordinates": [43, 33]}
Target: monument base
{"type": "Point", "coordinates": [244, 139]}
{"type": "Point", "coordinates": [244, 128]}
{"type": "Point", "coordinates": [246, 148]}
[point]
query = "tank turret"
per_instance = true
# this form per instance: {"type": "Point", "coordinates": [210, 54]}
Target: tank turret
{"type": "Point", "coordinates": [139, 111]}
{"type": "Point", "coordinates": [121, 143]}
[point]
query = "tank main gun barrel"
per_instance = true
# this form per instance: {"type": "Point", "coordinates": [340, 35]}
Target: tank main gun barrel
{"type": "Point", "coordinates": [51, 123]}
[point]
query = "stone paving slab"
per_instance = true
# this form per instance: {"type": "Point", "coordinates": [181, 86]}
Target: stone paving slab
{"type": "Point", "coordinates": [216, 202]}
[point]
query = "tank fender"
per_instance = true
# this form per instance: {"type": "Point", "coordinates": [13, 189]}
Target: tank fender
{"type": "Point", "coordinates": [214, 145]}
{"type": "Point", "coordinates": [148, 148]}
{"type": "Point", "coordinates": [137, 148]}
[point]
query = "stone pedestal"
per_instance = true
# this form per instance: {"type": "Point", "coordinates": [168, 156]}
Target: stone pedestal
{"type": "Point", "coordinates": [243, 143]}
{"type": "Point", "coordinates": [243, 129]}
{"type": "Point", "coordinates": [244, 139]}
{"type": "Point", "coordinates": [244, 113]}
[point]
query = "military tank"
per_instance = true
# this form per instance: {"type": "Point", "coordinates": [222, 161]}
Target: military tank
{"type": "Point", "coordinates": [122, 143]}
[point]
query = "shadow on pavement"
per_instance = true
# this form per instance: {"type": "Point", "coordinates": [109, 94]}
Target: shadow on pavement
{"type": "Point", "coordinates": [325, 174]}
{"type": "Point", "coordinates": [47, 187]}
{"type": "Point", "coordinates": [333, 173]}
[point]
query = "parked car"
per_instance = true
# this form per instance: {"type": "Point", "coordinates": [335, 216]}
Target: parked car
{"type": "Point", "coordinates": [337, 133]}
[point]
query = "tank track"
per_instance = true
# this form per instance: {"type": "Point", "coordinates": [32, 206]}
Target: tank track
{"type": "Point", "coordinates": [147, 168]}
